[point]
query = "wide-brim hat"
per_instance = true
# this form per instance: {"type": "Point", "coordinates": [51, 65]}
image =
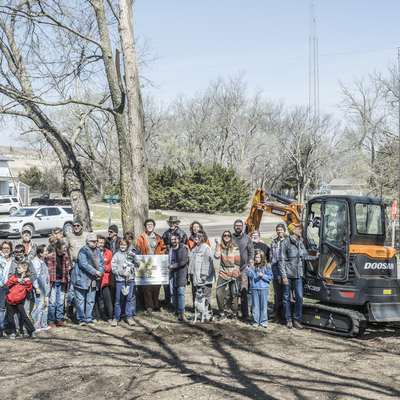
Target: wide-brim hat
{"type": "Point", "coordinates": [173, 218]}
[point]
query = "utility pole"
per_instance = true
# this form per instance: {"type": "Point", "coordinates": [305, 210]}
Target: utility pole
{"type": "Point", "coordinates": [313, 64]}
{"type": "Point", "coordinates": [398, 98]}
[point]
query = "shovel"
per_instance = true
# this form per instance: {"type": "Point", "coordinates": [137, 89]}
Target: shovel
{"type": "Point", "coordinates": [125, 288]}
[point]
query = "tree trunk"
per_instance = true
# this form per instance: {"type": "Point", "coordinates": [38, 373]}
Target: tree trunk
{"type": "Point", "coordinates": [135, 117]}
{"type": "Point", "coordinates": [117, 98]}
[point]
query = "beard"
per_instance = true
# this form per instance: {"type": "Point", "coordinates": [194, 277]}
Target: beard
{"type": "Point", "coordinates": [26, 239]}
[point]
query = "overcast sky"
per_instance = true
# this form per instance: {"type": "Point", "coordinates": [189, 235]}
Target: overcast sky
{"type": "Point", "coordinates": [269, 40]}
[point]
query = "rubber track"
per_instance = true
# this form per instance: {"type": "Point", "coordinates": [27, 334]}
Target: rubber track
{"type": "Point", "coordinates": [358, 320]}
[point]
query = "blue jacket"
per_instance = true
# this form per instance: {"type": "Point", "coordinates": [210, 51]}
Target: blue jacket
{"type": "Point", "coordinates": [83, 271]}
{"type": "Point", "coordinates": [260, 282]}
{"type": "Point", "coordinates": [275, 264]}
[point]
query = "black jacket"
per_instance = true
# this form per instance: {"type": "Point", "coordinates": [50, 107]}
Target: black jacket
{"type": "Point", "coordinates": [167, 236]}
{"type": "Point", "coordinates": [265, 248]}
{"type": "Point", "coordinates": [180, 269]}
{"type": "Point", "coordinates": [108, 246]}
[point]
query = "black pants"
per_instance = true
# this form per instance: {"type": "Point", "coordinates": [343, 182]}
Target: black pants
{"type": "Point", "coordinates": [14, 309]}
{"type": "Point", "coordinates": [244, 290]}
{"type": "Point", "coordinates": [278, 296]}
{"type": "Point", "coordinates": [107, 301]}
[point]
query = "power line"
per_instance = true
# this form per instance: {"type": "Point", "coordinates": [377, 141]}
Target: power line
{"type": "Point", "coordinates": [269, 61]}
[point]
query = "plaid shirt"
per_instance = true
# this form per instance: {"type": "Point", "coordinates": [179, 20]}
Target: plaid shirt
{"type": "Point", "coordinates": [51, 261]}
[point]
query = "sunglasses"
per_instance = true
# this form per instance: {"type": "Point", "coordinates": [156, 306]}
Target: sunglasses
{"type": "Point", "coordinates": [227, 236]}
{"type": "Point", "coordinates": [76, 226]}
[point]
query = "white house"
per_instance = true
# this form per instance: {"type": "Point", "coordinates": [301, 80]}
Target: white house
{"type": "Point", "coordinates": [345, 186]}
{"type": "Point", "coordinates": [6, 176]}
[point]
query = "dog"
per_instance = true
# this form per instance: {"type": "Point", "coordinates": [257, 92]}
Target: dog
{"type": "Point", "coordinates": [201, 308]}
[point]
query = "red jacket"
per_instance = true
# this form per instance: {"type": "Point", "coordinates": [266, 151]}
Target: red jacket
{"type": "Point", "coordinates": [107, 277]}
{"type": "Point", "coordinates": [161, 248]}
{"type": "Point", "coordinates": [17, 291]}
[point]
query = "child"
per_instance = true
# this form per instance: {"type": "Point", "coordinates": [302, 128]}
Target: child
{"type": "Point", "coordinates": [19, 285]}
{"type": "Point", "coordinates": [261, 275]}
{"type": "Point", "coordinates": [123, 267]}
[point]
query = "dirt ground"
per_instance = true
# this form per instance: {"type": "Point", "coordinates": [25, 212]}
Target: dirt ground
{"type": "Point", "coordinates": [160, 358]}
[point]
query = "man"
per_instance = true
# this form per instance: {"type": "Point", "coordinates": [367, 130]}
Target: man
{"type": "Point", "coordinates": [291, 255]}
{"type": "Point", "coordinates": [276, 243]}
{"type": "Point", "coordinates": [277, 282]}
{"type": "Point", "coordinates": [30, 247]}
{"type": "Point", "coordinates": [112, 242]}
{"type": "Point", "coordinates": [173, 223]}
{"type": "Point", "coordinates": [149, 243]}
{"type": "Point", "coordinates": [246, 249]}
{"type": "Point", "coordinates": [59, 267]}
{"type": "Point", "coordinates": [74, 241]}
{"type": "Point", "coordinates": [57, 235]}
{"type": "Point", "coordinates": [19, 257]}
{"type": "Point", "coordinates": [255, 237]}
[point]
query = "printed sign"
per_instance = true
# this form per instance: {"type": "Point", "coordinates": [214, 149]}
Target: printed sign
{"type": "Point", "coordinates": [153, 270]}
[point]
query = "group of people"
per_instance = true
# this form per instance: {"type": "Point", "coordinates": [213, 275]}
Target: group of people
{"type": "Point", "coordinates": [87, 270]}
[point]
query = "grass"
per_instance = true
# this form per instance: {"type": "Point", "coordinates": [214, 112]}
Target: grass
{"type": "Point", "coordinates": [101, 213]}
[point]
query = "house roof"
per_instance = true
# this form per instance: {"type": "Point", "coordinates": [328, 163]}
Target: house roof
{"type": "Point", "coordinates": [4, 158]}
{"type": "Point", "coordinates": [341, 182]}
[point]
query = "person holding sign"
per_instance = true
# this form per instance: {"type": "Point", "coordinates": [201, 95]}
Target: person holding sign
{"type": "Point", "coordinates": [149, 243]}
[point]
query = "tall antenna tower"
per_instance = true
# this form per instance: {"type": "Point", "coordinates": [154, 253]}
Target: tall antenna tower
{"type": "Point", "coordinates": [313, 63]}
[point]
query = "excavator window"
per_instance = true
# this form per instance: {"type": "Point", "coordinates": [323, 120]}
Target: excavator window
{"type": "Point", "coordinates": [332, 262]}
{"type": "Point", "coordinates": [370, 219]}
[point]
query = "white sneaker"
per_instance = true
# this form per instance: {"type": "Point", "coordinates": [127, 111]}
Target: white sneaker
{"type": "Point", "coordinates": [130, 321]}
{"type": "Point", "coordinates": [114, 322]}
{"type": "Point", "coordinates": [45, 328]}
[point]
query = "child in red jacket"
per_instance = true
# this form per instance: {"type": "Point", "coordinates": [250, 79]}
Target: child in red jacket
{"type": "Point", "coordinates": [19, 285]}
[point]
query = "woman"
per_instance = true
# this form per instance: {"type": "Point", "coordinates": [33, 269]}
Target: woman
{"type": "Point", "coordinates": [201, 267]}
{"type": "Point", "coordinates": [194, 228]}
{"type": "Point", "coordinates": [6, 249]}
{"type": "Point", "coordinates": [229, 271]}
{"type": "Point", "coordinates": [105, 285]}
{"type": "Point", "coordinates": [57, 235]}
{"type": "Point", "coordinates": [41, 296]}
{"type": "Point", "coordinates": [177, 265]}
{"type": "Point", "coordinates": [86, 277]}
{"type": "Point", "coordinates": [150, 243]}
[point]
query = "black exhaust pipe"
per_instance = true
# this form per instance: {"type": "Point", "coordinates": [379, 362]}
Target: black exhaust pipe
{"type": "Point", "coordinates": [280, 198]}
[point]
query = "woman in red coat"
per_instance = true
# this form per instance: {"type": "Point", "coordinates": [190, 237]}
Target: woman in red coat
{"type": "Point", "coordinates": [105, 285]}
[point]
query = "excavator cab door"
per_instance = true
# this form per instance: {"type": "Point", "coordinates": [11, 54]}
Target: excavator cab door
{"type": "Point", "coordinates": [333, 261]}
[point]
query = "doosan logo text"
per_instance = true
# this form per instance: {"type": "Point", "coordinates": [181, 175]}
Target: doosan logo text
{"type": "Point", "coordinates": [379, 266]}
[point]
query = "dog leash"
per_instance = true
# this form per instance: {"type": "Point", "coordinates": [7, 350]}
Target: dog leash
{"type": "Point", "coordinates": [235, 287]}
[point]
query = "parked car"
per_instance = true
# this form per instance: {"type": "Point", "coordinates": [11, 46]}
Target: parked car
{"type": "Point", "coordinates": [9, 204]}
{"type": "Point", "coordinates": [39, 220]}
{"type": "Point", "coordinates": [51, 199]}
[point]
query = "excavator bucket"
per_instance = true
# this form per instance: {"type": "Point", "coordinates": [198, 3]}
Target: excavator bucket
{"type": "Point", "coordinates": [384, 312]}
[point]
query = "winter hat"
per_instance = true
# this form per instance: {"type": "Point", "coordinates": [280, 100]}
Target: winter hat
{"type": "Point", "coordinates": [281, 226]}
{"type": "Point", "coordinates": [292, 226]}
{"type": "Point", "coordinates": [78, 220]}
{"type": "Point", "coordinates": [113, 228]}
{"type": "Point", "coordinates": [56, 230]}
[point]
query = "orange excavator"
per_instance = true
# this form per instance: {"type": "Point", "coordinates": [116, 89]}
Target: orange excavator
{"type": "Point", "coordinates": [355, 280]}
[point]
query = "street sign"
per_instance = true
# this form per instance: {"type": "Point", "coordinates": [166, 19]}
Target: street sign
{"type": "Point", "coordinates": [394, 211]}
{"type": "Point", "coordinates": [111, 197]}
{"type": "Point", "coordinates": [111, 201]}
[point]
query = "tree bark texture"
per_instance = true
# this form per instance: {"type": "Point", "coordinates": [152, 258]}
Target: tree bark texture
{"type": "Point", "coordinates": [135, 117]}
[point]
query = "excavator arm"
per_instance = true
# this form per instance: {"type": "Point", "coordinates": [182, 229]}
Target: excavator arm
{"type": "Point", "coordinates": [291, 213]}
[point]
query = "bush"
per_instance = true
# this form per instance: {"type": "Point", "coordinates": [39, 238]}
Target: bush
{"type": "Point", "coordinates": [32, 177]}
{"type": "Point", "coordinates": [204, 189]}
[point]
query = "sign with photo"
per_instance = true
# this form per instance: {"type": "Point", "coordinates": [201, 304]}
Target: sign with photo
{"type": "Point", "coordinates": [153, 270]}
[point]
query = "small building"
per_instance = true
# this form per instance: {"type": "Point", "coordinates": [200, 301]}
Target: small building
{"type": "Point", "coordinates": [6, 176]}
{"type": "Point", "coordinates": [345, 187]}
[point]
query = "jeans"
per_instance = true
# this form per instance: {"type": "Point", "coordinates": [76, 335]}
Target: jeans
{"type": "Point", "coordinates": [84, 303]}
{"type": "Point", "coordinates": [295, 284]}
{"type": "Point", "coordinates": [3, 293]}
{"type": "Point", "coordinates": [71, 295]}
{"type": "Point", "coordinates": [40, 311]}
{"type": "Point", "coordinates": [249, 297]}
{"type": "Point", "coordinates": [178, 296]}
{"type": "Point", "coordinates": [260, 306]}
{"type": "Point", "coordinates": [57, 295]}
{"type": "Point", "coordinates": [123, 302]}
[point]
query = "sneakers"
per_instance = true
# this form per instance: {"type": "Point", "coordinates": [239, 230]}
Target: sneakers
{"type": "Point", "coordinates": [109, 321]}
{"type": "Point", "coordinates": [26, 335]}
{"type": "Point", "coordinates": [95, 321]}
{"type": "Point", "coordinates": [114, 322]}
{"type": "Point", "coordinates": [82, 323]}
{"type": "Point", "coordinates": [289, 324]}
{"type": "Point", "coordinates": [130, 322]}
{"type": "Point", "coordinates": [220, 319]}
{"type": "Point", "coordinates": [149, 311]}
{"type": "Point", "coordinates": [265, 326]}
{"type": "Point", "coordinates": [255, 325]}
{"type": "Point", "coordinates": [12, 336]}
{"type": "Point", "coordinates": [298, 325]}
{"type": "Point", "coordinates": [33, 335]}
{"type": "Point", "coordinates": [91, 323]}
{"type": "Point", "coordinates": [51, 325]}
{"type": "Point", "coordinates": [60, 324]}
{"type": "Point", "coordinates": [234, 318]}
{"type": "Point", "coordinates": [45, 328]}
{"type": "Point", "coordinates": [181, 317]}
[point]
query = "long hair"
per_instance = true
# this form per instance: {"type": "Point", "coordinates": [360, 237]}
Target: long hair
{"type": "Point", "coordinates": [260, 265]}
{"type": "Point", "coordinates": [26, 267]}
{"type": "Point", "coordinates": [191, 226]}
{"type": "Point", "coordinates": [230, 245]}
